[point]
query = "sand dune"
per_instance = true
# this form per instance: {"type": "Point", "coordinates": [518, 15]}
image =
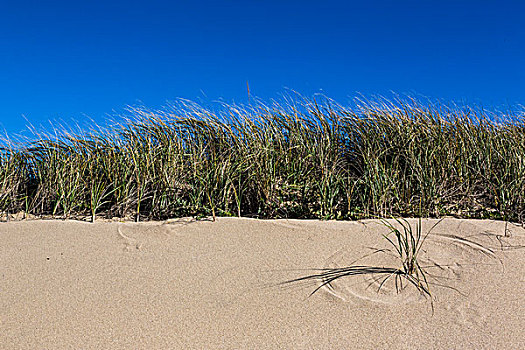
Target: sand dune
{"type": "Point", "coordinates": [206, 285]}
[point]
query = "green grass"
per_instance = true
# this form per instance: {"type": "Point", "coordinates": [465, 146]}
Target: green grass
{"type": "Point", "coordinates": [406, 242]}
{"type": "Point", "coordinates": [305, 158]}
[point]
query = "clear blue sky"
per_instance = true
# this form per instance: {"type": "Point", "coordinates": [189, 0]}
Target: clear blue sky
{"type": "Point", "coordinates": [71, 59]}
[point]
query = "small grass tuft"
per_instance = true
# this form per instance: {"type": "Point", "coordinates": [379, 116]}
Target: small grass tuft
{"type": "Point", "coordinates": [407, 243]}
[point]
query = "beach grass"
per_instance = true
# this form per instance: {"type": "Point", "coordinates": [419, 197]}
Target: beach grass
{"type": "Point", "coordinates": [406, 242]}
{"type": "Point", "coordinates": [300, 158]}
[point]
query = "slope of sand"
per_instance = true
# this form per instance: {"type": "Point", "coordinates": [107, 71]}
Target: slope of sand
{"type": "Point", "coordinates": [206, 285]}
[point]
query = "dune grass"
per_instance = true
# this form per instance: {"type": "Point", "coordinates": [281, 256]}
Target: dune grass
{"type": "Point", "coordinates": [406, 243]}
{"type": "Point", "coordinates": [303, 158]}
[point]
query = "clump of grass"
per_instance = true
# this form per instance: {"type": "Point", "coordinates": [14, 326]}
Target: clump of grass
{"type": "Point", "coordinates": [407, 243]}
{"type": "Point", "coordinates": [303, 158]}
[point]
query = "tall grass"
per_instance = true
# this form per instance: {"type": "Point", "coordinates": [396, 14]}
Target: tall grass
{"type": "Point", "coordinates": [304, 158]}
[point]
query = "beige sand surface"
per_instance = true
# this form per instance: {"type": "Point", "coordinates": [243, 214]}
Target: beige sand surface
{"type": "Point", "coordinates": [214, 285]}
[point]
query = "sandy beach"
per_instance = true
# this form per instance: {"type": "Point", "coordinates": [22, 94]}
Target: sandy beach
{"type": "Point", "coordinates": [184, 284]}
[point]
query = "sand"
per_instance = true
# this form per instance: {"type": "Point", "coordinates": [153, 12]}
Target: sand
{"type": "Point", "coordinates": [185, 284]}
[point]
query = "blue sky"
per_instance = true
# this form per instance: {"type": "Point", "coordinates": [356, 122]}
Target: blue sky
{"type": "Point", "coordinates": [71, 60]}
